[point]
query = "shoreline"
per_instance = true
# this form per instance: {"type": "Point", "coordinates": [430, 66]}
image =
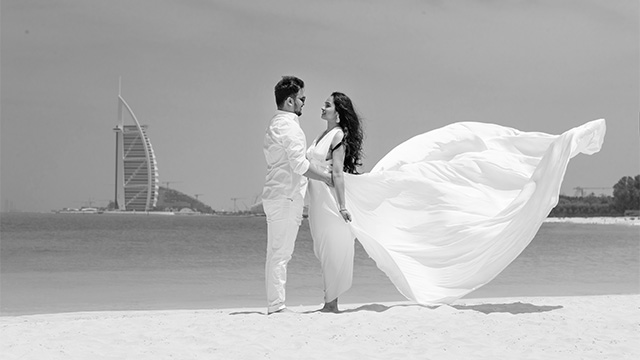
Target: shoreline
{"type": "Point", "coordinates": [579, 327]}
{"type": "Point", "coordinates": [303, 309]}
{"type": "Point", "coordinates": [619, 220]}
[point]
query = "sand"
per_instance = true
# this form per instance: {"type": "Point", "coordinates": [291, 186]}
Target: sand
{"type": "Point", "coordinates": [585, 327]}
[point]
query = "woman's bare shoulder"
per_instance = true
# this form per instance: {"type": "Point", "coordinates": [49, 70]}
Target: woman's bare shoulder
{"type": "Point", "coordinates": [337, 138]}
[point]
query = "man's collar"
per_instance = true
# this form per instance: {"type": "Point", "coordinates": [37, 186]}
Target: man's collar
{"type": "Point", "coordinates": [288, 113]}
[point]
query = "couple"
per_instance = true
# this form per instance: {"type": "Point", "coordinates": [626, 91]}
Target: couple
{"type": "Point", "coordinates": [441, 214]}
{"type": "Point", "coordinates": [289, 164]}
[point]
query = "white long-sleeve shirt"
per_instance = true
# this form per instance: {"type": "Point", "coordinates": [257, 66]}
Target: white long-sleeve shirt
{"type": "Point", "coordinates": [285, 147]}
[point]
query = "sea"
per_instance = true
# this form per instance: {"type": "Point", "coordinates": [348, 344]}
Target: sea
{"type": "Point", "coordinates": [54, 263]}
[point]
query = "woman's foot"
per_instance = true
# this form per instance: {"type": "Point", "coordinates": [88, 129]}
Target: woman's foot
{"type": "Point", "coordinates": [331, 306]}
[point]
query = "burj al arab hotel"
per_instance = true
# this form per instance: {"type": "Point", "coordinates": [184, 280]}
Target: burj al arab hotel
{"type": "Point", "coordinates": [136, 167]}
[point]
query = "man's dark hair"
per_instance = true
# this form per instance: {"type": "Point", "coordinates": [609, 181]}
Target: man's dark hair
{"type": "Point", "coordinates": [288, 86]}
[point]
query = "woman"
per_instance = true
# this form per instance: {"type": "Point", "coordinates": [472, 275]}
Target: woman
{"type": "Point", "coordinates": [339, 150]}
{"type": "Point", "coordinates": [443, 213]}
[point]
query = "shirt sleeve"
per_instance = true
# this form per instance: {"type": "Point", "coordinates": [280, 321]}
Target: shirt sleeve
{"type": "Point", "coordinates": [294, 142]}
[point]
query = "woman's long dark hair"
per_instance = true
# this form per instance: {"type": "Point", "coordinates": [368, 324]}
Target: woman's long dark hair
{"type": "Point", "coordinates": [352, 128]}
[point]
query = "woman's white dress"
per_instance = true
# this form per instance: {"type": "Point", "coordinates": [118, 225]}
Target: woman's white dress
{"type": "Point", "coordinates": [333, 241]}
{"type": "Point", "coordinates": [446, 211]}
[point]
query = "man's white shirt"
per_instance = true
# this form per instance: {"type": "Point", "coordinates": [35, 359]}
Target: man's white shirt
{"type": "Point", "coordinates": [285, 147]}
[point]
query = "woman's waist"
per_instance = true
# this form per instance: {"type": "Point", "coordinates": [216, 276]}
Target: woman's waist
{"type": "Point", "coordinates": [323, 165]}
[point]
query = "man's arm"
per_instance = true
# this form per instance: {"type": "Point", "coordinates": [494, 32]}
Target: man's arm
{"type": "Point", "coordinates": [293, 140]}
{"type": "Point", "coordinates": [316, 173]}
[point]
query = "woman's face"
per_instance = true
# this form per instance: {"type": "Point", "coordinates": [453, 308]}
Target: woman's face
{"type": "Point", "coordinates": [328, 110]}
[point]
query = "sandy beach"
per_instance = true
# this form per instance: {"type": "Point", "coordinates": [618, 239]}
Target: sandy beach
{"type": "Point", "coordinates": [586, 327]}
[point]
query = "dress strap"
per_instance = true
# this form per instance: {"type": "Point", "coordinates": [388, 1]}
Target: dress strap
{"type": "Point", "coordinates": [332, 150]}
{"type": "Point", "coordinates": [335, 147]}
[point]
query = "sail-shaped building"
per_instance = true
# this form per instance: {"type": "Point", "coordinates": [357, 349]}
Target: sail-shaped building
{"type": "Point", "coordinates": [137, 185]}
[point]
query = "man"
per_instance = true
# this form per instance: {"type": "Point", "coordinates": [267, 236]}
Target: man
{"type": "Point", "coordinates": [285, 147]}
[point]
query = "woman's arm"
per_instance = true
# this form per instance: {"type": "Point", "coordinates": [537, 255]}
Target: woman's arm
{"type": "Point", "coordinates": [338, 174]}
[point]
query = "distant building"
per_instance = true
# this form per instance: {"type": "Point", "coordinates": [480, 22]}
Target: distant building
{"type": "Point", "coordinates": [136, 167]}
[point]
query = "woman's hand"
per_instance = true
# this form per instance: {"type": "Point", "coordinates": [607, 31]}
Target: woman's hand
{"type": "Point", "coordinates": [346, 215]}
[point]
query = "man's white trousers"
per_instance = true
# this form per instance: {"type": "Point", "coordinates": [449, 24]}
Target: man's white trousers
{"type": "Point", "coordinates": [283, 221]}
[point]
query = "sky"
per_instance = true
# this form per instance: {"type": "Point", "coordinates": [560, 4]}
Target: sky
{"type": "Point", "coordinates": [201, 74]}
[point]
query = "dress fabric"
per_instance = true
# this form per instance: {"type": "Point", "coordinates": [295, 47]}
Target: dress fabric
{"type": "Point", "coordinates": [445, 212]}
{"type": "Point", "coordinates": [333, 241]}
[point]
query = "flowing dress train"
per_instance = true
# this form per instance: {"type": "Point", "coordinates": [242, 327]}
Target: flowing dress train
{"type": "Point", "coordinates": [446, 211]}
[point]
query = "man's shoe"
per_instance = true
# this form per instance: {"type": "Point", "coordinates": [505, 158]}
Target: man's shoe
{"type": "Point", "coordinates": [281, 311]}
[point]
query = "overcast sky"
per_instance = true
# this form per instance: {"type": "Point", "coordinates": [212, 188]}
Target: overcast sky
{"type": "Point", "coordinates": [201, 73]}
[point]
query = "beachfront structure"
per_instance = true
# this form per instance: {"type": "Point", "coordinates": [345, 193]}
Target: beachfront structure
{"type": "Point", "coordinates": [137, 185]}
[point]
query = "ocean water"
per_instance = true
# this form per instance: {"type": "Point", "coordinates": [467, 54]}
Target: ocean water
{"type": "Point", "coordinates": [79, 262]}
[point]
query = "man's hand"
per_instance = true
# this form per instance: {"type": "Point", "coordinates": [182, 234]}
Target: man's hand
{"type": "Point", "coordinates": [315, 172]}
{"type": "Point", "coordinates": [329, 179]}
